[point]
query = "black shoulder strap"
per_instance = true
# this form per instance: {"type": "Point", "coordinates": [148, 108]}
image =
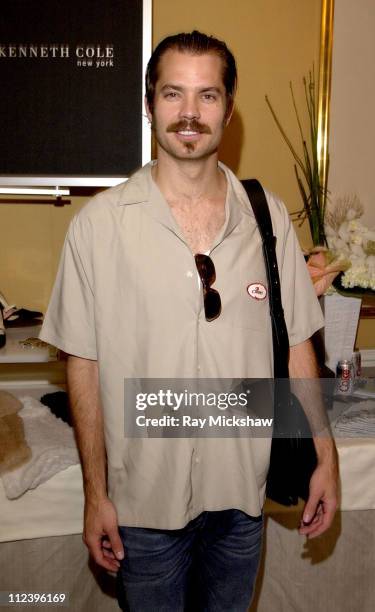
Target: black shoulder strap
{"type": "Point", "coordinates": [280, 338]}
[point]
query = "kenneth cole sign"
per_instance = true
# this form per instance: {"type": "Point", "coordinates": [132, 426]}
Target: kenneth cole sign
{"type": "Point", "coordinates": [79, 66]}
{"type": "Point", "coordinates": [85, 55]}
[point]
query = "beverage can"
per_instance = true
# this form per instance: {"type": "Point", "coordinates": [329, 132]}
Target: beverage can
{"type": "Point", "coordinates": [344, 376]}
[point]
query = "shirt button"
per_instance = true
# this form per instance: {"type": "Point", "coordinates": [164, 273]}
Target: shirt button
{"type": "Point", "coordinates": [197, 460]}
{"type": "Point", "coordinates": [189, 274]}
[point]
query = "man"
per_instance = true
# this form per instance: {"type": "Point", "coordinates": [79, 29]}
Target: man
{"type": "Point", "coordinates": [180, 517]}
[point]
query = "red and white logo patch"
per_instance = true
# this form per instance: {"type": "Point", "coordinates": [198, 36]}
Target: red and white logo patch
{"type": "Point", "coordinates": [257, 291]}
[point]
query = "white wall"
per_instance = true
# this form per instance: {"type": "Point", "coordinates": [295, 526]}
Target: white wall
{"type": "Point", "coordinates": [352, 117]}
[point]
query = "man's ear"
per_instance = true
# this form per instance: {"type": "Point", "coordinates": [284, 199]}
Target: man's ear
{"type": "Point", "coordinates": [148, 111]}
{"type": "Point", "coordinates": [229, 113]}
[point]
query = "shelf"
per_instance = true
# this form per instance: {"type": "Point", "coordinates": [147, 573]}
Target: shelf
{"type": "Point", "coordinates": [14, 352]}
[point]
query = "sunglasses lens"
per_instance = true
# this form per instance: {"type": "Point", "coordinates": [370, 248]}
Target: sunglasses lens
{"type": "Point", "coordinates": [212, 304]}
{"type": "Point", "coordinates": [206, 268]}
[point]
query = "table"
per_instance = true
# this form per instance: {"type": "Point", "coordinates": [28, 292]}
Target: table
{"type": "Point", "coordinates": [44, 548]}
{"type": "Point", "coordinates": [334, 572]}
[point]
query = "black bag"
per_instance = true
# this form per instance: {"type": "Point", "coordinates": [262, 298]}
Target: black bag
{"type": "Point", "coordinates": [293, 455]}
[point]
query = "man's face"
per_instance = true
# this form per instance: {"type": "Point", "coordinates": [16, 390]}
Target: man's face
{"type": "Point", "coordinates": [189, 111]}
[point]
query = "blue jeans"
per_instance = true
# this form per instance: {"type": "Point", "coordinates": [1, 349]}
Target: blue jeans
{"type": "Point", "coordinates": [210, 565]}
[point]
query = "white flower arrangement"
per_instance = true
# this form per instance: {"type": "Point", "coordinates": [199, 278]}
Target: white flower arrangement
{"type": "Point", "coordinates": [349, 238]}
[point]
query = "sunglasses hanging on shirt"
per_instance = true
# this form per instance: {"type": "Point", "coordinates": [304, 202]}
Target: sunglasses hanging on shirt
{"type": "Point", "coordinates": [211, 297]}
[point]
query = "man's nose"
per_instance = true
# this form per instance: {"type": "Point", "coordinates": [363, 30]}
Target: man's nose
{"type": "Point", "coordinates": [190, 108]}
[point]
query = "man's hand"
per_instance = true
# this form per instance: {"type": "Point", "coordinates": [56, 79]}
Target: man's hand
{"type": "Point", "coordinates": [101, 534]}
{"type": "Point", "coordinates": [321, 505]}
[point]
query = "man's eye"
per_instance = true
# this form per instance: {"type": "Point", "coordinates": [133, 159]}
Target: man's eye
{"type": "Point", "coordinates": [171, 95]}
{"type": "Point", "coordinates": [209, 97]}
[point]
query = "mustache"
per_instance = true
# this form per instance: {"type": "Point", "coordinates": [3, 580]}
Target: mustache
{"type": "Point", "coordinates": [193, 126]}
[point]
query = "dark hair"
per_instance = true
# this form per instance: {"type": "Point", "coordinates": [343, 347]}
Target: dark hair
{"type": "Point", "coordinates": [195, 43]}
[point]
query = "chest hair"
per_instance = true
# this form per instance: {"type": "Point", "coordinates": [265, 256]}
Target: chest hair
{"type": "Point", "coordinates": [200, 222]}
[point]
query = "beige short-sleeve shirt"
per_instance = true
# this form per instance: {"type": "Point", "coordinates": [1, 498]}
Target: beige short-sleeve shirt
{"type": "Point", "coordinates": [126, 294]}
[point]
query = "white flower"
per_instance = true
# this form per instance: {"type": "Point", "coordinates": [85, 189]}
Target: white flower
{"type": "Point", "coordinates": [353, 226]}
{"type": "Point", "coordinates": [343, 232]}
{"type": "Point", "coordinates": [351, 214]}
{"type": "Point", "coordinates": [352, 240]}
{"type": "Point", "coordinates": [336, 244]}
{"type": "Point", "coordinates": [359, 275]}
{"type": "Point", "coordinates": [355, 239]}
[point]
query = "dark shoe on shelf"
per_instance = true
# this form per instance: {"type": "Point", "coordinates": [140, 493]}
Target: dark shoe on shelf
{"type": "Point", "coordinates": [21, 317]}
{"type": "Point", "coordinates": [18, 317]}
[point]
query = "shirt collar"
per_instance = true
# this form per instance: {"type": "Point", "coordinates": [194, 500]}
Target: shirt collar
{"type": "Point", "coordinates": [140, 188]}
{"type": "Point", "coordinates": [137, 188]}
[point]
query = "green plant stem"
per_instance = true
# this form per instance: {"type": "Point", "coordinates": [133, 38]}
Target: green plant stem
{"type": "Point", "coordinates": [313, 193]}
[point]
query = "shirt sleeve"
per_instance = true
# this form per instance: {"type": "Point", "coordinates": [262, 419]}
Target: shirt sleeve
{"type": "Point", "coordinates": [69, 322]}
{"type": "Point", "coordinates": [302, 311]}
